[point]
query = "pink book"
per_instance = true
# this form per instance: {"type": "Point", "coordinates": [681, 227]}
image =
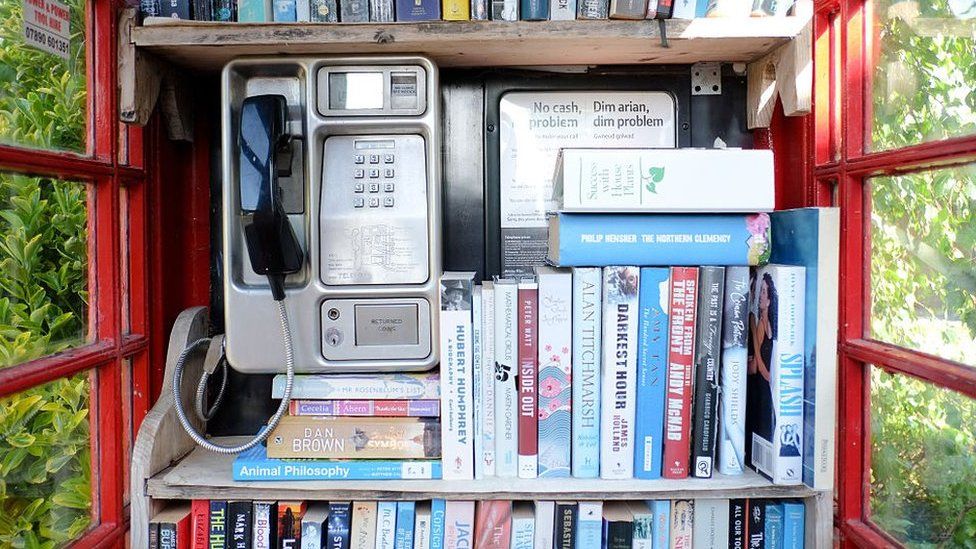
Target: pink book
{"type": "Point", "coordinates": [493, 525]}
{"type": "Point", "coordinates": [458, 525]}
{"type": "Point", "coordinates": [378, 408]}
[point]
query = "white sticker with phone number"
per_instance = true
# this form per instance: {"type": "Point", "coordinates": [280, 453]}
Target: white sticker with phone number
{"type": "Point", "coordinates": [417, 470]}
{"type": "Point", "coordinates": [47, 26]}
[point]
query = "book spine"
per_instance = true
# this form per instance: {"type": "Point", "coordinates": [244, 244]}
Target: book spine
{"type": "Point", "coordinates": [265, 525]}
{"type": "Point", "coordinates": [459, 525]}
{"type": "Point", "coordinates": [285, 11]}
{"type": "Point", "coordinates": [628, 9]}
{"type": "Point", "coordinates": [361, 387]}
{"type": "Point", "coordinates": [661, 528]}
{"type": "Point", "coordinates": [619, 534]}
{"type": "Point", "coordinates": [339, 521]}
{"type": "Point", "coordinates": [457, 446]}
{"type": "Point", "coordinates": [711, 524]}
{"type": "Point", "coordinates": [589, 524]}
{"type": "Point", "coordinates": [386, 517]}
{"type": "Point", "coordinates": [587, 354]}
{"type": "Point", "coordinates": [438, 509]}
{"type": "Point", "coordinates": [302, 11]}
{"type": "Point", "coordinates": [738, 523]}
{"type": "Point", "coordinates": [564, 529]}
{"type": "Point", "coordinates": [545, 520]}
{"type": "Point", "coordinates": [421, 526]}
{"type": "Point", "coordinates": [683, 9]}
{"type": "Point", "coordinates": [403, 537]}
{"type": "Point", "coordinates": [252, 11]}
{"type": "Point", "coordinates": [239, 513]}
{"type": "Point", "coordinates": [683, 303]}
{"type": "Point", "coordinates": [643, 527]}
{"type": "Point", "coordinates": [592, 9]}
{"type": "Point", "coordinates": [523, 533]}
{"type": "Point", "coordinates": [312, 533]}
{"type": "Point", "coordinates": [149, 8]}
{"type": "Point", "coordinates": [506, 388]}
{"type": "Point", "coordinates": [555, 373]}
{"type": "Point", "coordinates": [418, 10]}
{"type": "Point", "coordinates": [664, 9]}
{"type": "Point", "coordinates": [708, 349]}
{"type": "Point", "coordinates": [652, 368]}
{"type": "Point", "coordinates": [203, 9]}
{"type": "Point", "coordinates": [757, 524]}
{"type": "Point", "coordinates": [225, 10]}
{"type": "Point", "coordinates": [488, 379]}
{"type": "Point", "coordinates": [493, 524]}
{"type": "Point", "coordinates": [479, 10]}
{"type": "Point", "coordinates": [354, 11]}
{"type": "Point", "coordinates": [176, 9]}
{"type": "Point", "coordinates": [318, 437]}
{"type": "Point", "coordinates": [732, 401]}
{"type": "Point", "coordinates": [366, 408]}
{"type": "Point", "coordinates": [381, 11]}
{"type": "Point", "coordinates": [774, 525]}
{"type": "Point", "coordinates": [167, 535]}
{"type": "Point", "coordinates": [274, 469]}
{"type": "Point", "coordinates": [200, 522]}
{"type": "Point", "coordinates": [618, 401]}
{"type": "Point", "coordinates": [218, 524]}
{"type": "Point", "coordinates": [363, 525]}
{"type": "Point", "coordinates": [794, 516]}
{"type": "Point", "coordinates": [562, 10]}
{"type": "Point", "coordinates": [528, 429]}
{"type": "Point", "coordinates": [534, 10]}
{"type": "Point", "coordinates": [455, 10]}
{"type": "Point", "coordinates": [323, 11]}
{"type": "Point", "coordinates": [682, 523]}
{"type": "Point", "coordinates": [505, 10]}
{"type": "Point", "coordinates": [477, 391]}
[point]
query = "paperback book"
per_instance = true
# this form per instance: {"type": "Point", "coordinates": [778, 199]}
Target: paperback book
{"type": "Point", "coordinates": [365, 408]}
{"type": "Point", "coordinates": [399, 386]}
{"type": "Point", "coordinates": [487, 402]}
{"type": "Point", "coordinates": [477, 390]}
{"type": "Point", "coordinates": [418, 10]}
{"type": "Point", "coordinates": [363, 525]}
{"type": "Point", "coordinates": [265, 525]}
{"type": "Point", "coordinates": [562, 10]}
{"type": "Point", "coordinates": [738, 523]}
{"type": "Point", "coordinates": [682, 523]}
{"type": "Point", "coordinates": [589, 524]}
{"type": "Point", "coordinates": [254, 464]}
{"type": "Point", "coordinates": [708, 349]}
{"type": "Point", "coordinates": [523, 525]}
{"type": "Point", "coordinates": [592, 9]}
{"type": "Point", "coordinates": [386, 518]}
{"type": "Point", "coordinates": [711, 524]}
{"type": "Point", "coordinates": [325, 437]}
{"type": "Point", "coordinates": [652, 369]}
{"type": "Point", "coordinates": [315, 524]}
{"type": "Point", "coordinates": [555, 371]}
{"type": "Point", "coordinates": [564, 527]}
{"type": "Point", "coordinates": [506, 387]}
{"type": "Point", "coordinates": [340, 518]}
{"type": "Point", "coordinates": [493, 524]}
{"type": "Point", "coordinates": [661, 528]}
{"type": "Point", "coordinates": [459, 525]}
{"type": "Point", "coordinates": [731, 451]}
{"type": "Point", "coordinates": [457, 445]}
{"type": "Point", "coordinates": [587, 326]}
{"type": "Point", "coordinates": [618, 401]}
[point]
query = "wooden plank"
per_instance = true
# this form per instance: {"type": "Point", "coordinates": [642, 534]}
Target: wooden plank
{"type": "Point", "coordinates": [785, 73]}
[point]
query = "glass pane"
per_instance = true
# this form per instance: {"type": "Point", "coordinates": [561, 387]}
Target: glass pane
{"type": "Point", "coordinates": [923, 261]}
{"type": "Point", "coordinates": [43, 97]}
{"type": "Point", "coordinates": [45, 464]}
{"type": "Point", "coordinates": [924, 74]}
{"type": "Point", "coordinates": [43, 266]}
{"type": "Point", "coordinates": [923, 462]}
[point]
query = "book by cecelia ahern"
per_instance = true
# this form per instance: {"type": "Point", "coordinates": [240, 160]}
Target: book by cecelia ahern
{"type": "Point", "coordinates": [587, 355]}
{"type": "Point", "coordinates": [618, 401]}
{"type": "Point", "coordinates": [456, 367]}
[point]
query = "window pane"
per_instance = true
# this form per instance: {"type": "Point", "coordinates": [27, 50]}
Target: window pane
{"type": "Point", "coordinates": [43, 266]}
{"type": "Point", "coordinates": [45, 464]}
{"type": "Point", "coordinates": [924, 74]}
{"type": "Point", "coordinates": [923, 271]}
{"type": "Point", "coordinates": [923, 462]}
{"type": "Point", "coordinates": [43, 97]}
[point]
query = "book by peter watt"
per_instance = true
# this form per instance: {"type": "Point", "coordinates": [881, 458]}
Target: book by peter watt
{"type": "Point", "coordinates": [681, 347]}
{"type": "Point", "coordinates": [340, 517]}
{"type": "Point", "coordinates": [459, 525]}
{"type": "Point", "coordinates": [618, 401]}
{"type": "Point", "coordinates": [479, 10]}
{"type": "Point", "coordinates": [757, 524]}
{"type": "Point", "coordinates": [711, 524]}
{"type": "Point", "coordinates": [457, 445]}
{"type": "Point", "coordinates": [493, 524]}
{"type": "Point", "coordinates": [200, 522]}
{"type": "Point", "coordinates": [708, 350]}
{"type": "Point", "coordinates": [403, 534]}
{"type": "Point", "coordinates": [438, 508]}
{"type": "Point", "coordinates": [366, 408]}
{"type": "Point", "coordinates": [658, 239]}
{"type": "Point", "coordinates": [682, 523]}
{"type": "Point", "coordinates": [738, 523]}
{"type": "Point", "coordinates": [254, 464]}
{"type": "Point", "coordinates": [643, 525]}
{"type": "Point", "coordinates": [774, 524]}
{"type": "Point", "coordinates": [731, 453]}
{"type": "Point", "coordinates": [315, 524]}
{"type": "Point", "coordinates": [240, 515]}
{"type": "Point", "coordinates": [587, 355]}
{"type": "Point", "coordinates": [562, 10]}
{"type": "Point", "coordinates": [794, 516]}
{"type": "Point", "coordinates": [363, 525]}
{"type": "Point", "coordinates": [487, 403]}
{"type": "Point", "coordinates": [455, 10]}
{"type": "Point", "coordinates": [555, 370]}
{"type": "Point", "coordinates": [589, 524]}
{"type": "Point", "coordinates": [218, 524]}
{"type": "Point", "coordinates": [506, 376]}
{"type": "Point", "coordinates": [265, 525]}
{"type": "Point", "coordinates": [418, 10]}
{"type": "Point", "coordinates": [477, 392]}
{"type": "Point", "coordinates": [381, 11]}
{"type": "Point", "coordinates": [592, 9]}
{"type": "Point", "coordinates": [421, 525]}
{"type": "Point", "coordinates": [505, 10]}
{"type": "Point", "coordinates": [774, 418]}
{"type": "Point", "coordinates": [618, 525]}
{"type": "Point", "coordinates": [324, 11]}
{"type": "Point", "coordinates": [528, 371]}
{"type": "Point", "coordinates": [661, 528]}
{"type": "Point", "coordinates": [652, 369]}
{"type": "Point", "coordinates": [534, 10]}
{"type": "Point", "coordinates": [327, 437]}
{"type": "Point", "coordinates": [523, 525]}
{"type": "Point", "coordinates": [253, 11]}
{"type": "Point", "coordinates": [564, 527]}
{"type": "Point", "coordinates": [398, 386]}
{"type": "Point", "coordinates": [545, 520]}
{"type": "Point", "coordinates": [173, 527]}
{"type": "Point", "coordinates": [811, 238]}
{"type": "Point", "coordinates": [386, 515]}
{"type": "Point", "coordinates": [290, 514]}
{"type": "Point", "coordinates": [628, 9]}
{"type": "Point", "coordinates": [354, 11]}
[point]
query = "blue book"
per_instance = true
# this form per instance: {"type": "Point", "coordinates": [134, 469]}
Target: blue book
{"type": "Point", "coordinates": [658, 239]}
{"type": "Point", "coordinates": [386, 519]}
{"type": "Point", "coordinates": [794, 515]}
{"type": "Point", "coordinates": [587, 332]}
{"type": "Point", "coordinates": [652, 368]}
{"type": "Point", "coordinates": [404, 525]}
{"type": "Point", "coordinates": [661, 527]}
{"type": "Point", "coordinates": [285, 11]}
{"type": "Point", "coordinates": [254, 464]}
{"type": "Point", "coordinates": [534, 10]}
{"type": "Point", "coordinates": [218, 523]}
{"type": "Point", "coordinates": [774, 525]}
{"type": "Point", "coordinates": [337, 535]}
{"type": "Point", "coordinates": [438, 508]}
{"type": "Point", "coordinates": [589, 524]}
{"type": "Point", "coordinates": [701, 8]}
{"type": "Point", "coordinates": [418, 10]}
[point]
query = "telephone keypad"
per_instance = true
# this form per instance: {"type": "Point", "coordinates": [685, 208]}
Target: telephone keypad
{"type": "Point", "coordinates": [388, 173]}
{"type": "Point", "coordinates": [358, 173]}
{"type": "Point", "coordinates": [387, 158]}
{"type": "Point", "coordinates": [374, 187]}
{"type": "Point", "coordinates": [374, 159]}
{"type": "Point", "coordinates": [374, 202]}
{"type": "Point", "coordinates": [374, 173]}
{"type": "Point", "coordinates": [358, 188]}
{"type": "Point", "coordinates": [359, 159]}
{"type": "Point", "coordinates": [388, 187]}
{"type": "Point", "coordinates": [358, 202]}
{"type": "Point", "coordinates": [388, 201]}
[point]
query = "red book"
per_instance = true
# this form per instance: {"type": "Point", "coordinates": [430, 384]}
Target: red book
{"type": "Point", "coordinates": [681, 360]}
{"type": "Point", "coordinates": [493, 525]}
{"type": "Point", "coordinates": [200, 524]}
{"type": "Point", "coordinates": [528, 344]}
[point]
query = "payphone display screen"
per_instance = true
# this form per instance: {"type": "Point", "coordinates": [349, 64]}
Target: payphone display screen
{"type": "Point", "coordinates": [355, 90]}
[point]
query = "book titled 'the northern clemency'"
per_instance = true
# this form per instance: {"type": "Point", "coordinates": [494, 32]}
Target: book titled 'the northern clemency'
{"type": "Point", "coordinates": [254, 464]}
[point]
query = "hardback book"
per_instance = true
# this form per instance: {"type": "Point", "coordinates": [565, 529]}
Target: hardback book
{"type": "Point", "coordinates": [366, 408]}
{"type": "Point", "coordinates": [153, 535]}
{"type": "Point", "coordinates": [731, 439]}
{"type": "Point", "coordinates": [592, 9]}
{"type": "Point", "coordinates": [643, 525]}
{"type": "Point", "coordinates": [324, 11]}
{"type": "Point", "coordinates": [438, 509]}
{"type": "Point", "coordinates": [425, 385]}
{"type": "Point", "coordinates": [174, 526]}
{"type": "Point", "coordinates": [528, 371]}
{"type": "Point", "coordinates": [564, 527]}
{"type": "Point", "coordinates": [363, 525]}
{"type": "Point", "coordinates": [628, 9]}
{"type": "Point", "coordinates": [545, 522]}
{"type": "Point", "coordinates": [619, 399]}
{"type": "Point", "coordinates": [479, 10]}
{"type": "Point", "coordinates": [325, 437]}
{"type": "Point", "coordinates": [523, 525]}
{"type": "Point", "coordinates": [403, 537]}
{"type": "Point", "coordinates": [265, 526]}
{"type": "Point", "coordinates": [681, 351]}
{"type": "Point", "coordinates": [618, 525]}
{"type": "Point", "coordinates": [562, 10]}
{"type": "Point", "coordinates": [811, 238]}
{"type": "Point", "coordinates": [218, 524]}
{"type": "Point", "coordinates": [662, 180]}
{"type": "Point", "coordinates": [285, 11]}
{"type": "Point", "coordinates": [664, 9]}
{"type": "Point", "coordinates": [701, 8]}
{"type": "Point", "coordinates": [738, 523]}
{"type": "Point", "coordinates": [457, 435]}
{"type": "Point", "coordinates": [534, 10]}
{"type": "Point", "coordinates": [756, 524]}
{"type": "Point", "coordinates": [340, 520]}
{"type": "Point", "coordinates": [418, 10]}
{"type": "Point", "coordinates": [303, 11]}
{"type": "Point", "coordinates": [661, 527]}
{"type": "Point", "coordinates": [240, 515]}
{"type": "Point", "coordinates": [381, 11]}
{"type": "Point", "coordinates": [794, 516]}
{"type": "Point", "coordinates": [200, 523]}
{"type": "Point", "coordinates": [455, 10]}
{"type": "Point", "coordinates": [682, 523]}
{"type": "Point", "coordinates": [354, 11]}
{"type": "Point", "coordinates": [711, 524]}
{"type": "Point", "coordinates": [386, 515]}
{"type": "Point", "coordinates": [506, 376]}
{"type": "Point", "coordinates": [505, 10]}
{"type": "Point", "coordinates": [290, 514]}
{"type": "Point", "coordinates": [652, 369]}
{"type": "Point", "coordinates": [459, 525]}
{"type": "Point", "coordinates": [315, 525]}
{"type": "Point", "coordinates": [774, 417]}
{"type": "Point", "coordinates": [587, 326]}
{"type": "Point", "coordinates": [555, 370]}
{"type": "Point", "coordinates": [254, 11]}
{"type": "Point", "coordinates": [493, 524]}
{"type": "Point", "coordinates": [477, 352]}
{"type": "Point", "coordinates": [771, 8]}
{"type": "Point", "coordinates": [684, 9]}
{"type": "Point", "coordinates": [150, 8]}
{"type": "Point", "coordinates": [579, 239]}
{"type": "Point", "coordinates": [487, 402]}
{"type": "Point", "coordinates": [203, 10]}
{"type": "Point", "coordinates": [254, 464]}
{"type": "Point", "coordinates": [708, 353]}
{"type": "Point", "coordinates": [421, 525]}
{"type": "Point", "coordinates": [774, 524]}
{"type": "Point", "coordinates": [589, 524]}
{"type": "Point", "coordinates": [175, 9]}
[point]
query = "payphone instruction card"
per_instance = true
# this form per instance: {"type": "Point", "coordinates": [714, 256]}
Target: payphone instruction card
{"type": "Point", "coordinates": [535, 125]}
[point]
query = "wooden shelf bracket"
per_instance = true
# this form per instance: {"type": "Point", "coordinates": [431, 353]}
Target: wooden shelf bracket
{"type": "Point", "coordinates": [786, 72]}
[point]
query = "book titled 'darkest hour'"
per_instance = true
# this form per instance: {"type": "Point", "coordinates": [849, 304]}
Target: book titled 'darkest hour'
{"type": "Point", "coordinates": [359, 437]}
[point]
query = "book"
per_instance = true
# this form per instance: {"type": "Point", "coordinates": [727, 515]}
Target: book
{"type": "Point", "coordinates": [523, 525]}
{"type": "Point", "coordinates": [302, 11]}
{"type": "Point", "coordinates": [682, 523]}
{"type": "Point", "coordinates": [564, 525]}
{"type": "Point", "coordinates": [774, 524]}
{"type": "Point", "coordinates": [290, 514]}
{"type": "Point", "coordinates": [664, 9]}
{"type": "Point", "coordinates": [455, 10]}
{"type": "Point", "coordinates": [506, 376]}
{"type": "Point", "coordinates": [457, 446]}
{"type": "Point", "coordinates": [386, 515]}
{"type": "Point", "coordinates": [651, 12]}
{"type": "Point", "coordinates": [681, 346]}
{"type": "Point", "coordinates": [240, 516]}
{"type": "Point", "coordinates": [403, 536]}
{"type": "Point", "coordinates": [175, 9]}
{"type": "Point", "coordinates": [477, 392]}
{"type": "Point", "coordinates": [479, 10]}
{"type": "Point", "coordinates": [265, 526]}
{"type": "Point", "coordinates": [738, 523]}
{"type": "Point", "coordinates": [354, 11]}
{"type": "Point", "coordinates": [218, 524]}
{"type": "Point", "coordinates": [528, 421]}
{"type": "Point", "coordinates": [324, 11]}
{"type": "Point", "coordinates": [400, 386]}
{"type": "Point", "coordinates": [545, 522]}
{"type": "Point", "coordinates": [254, 464]}
{"type": "Point", "coordinates": [315, 525]}
{"type": "Point", "coordinates": [661, 527]}
{"type": "Point", "coordinates": [731, 439]}
{"type": "Point", "coordinates": [643, 525]}
{"type": "Point", "coordinates": [652, 369]}
{"type": "Point", "coordinates": [203, 10]}
{"type": "Point", "coordinates": [340, 520]}
{"type": "Point", "coordinates": [459, 525]}
{"type": "Point", "coordinates": [284, 11]}
{"type": "Point", "coordinates": [589, 524]}
{"type": "Point", "coordinates": [592, 9]}
{"type": "Point", "coordinates": [363, 525]}
{"type": "Point", "coordinates": [618, 525]}
{"type": "Point", "coordinates": [421, 525]}
{"type": "Point", "coordinates": [701, 9]}
{"type": "Point", "coordinates": [200, 523]}
{"type": "Point", "coordinates": [628, 9]}
{"type": "Point", "coordinates": [794, 516]}
{"type": "Point", "coordinates": [534, 10]}
{"type": "Point", "coordinates": [327, 437]}
{"type": "Point", "coordinates": [756, 525]}
{"type": "Point", "coordinates": [153, 535]}
{"type": "Point", "coordinates": [487, 403]}
{"type": "Point", "coordinates": [811, 238]}
{"type": "Point", "coordinates": [505, 10]}
{"type": "Point", "coordinates": [253, 11]}
{"type": "Point", "coordinates": [418, 10]}
{"type": "Point", "coordinates": [711, 524]}
{"type": "Point", "coordinates": [658, 239]}
{"type": "Point", "coordinates": [684, 9]}
{"type": "Point", "coordinates": [587, 326]}
{"type": "Point", "coordinates": [619, 392]}
{"type": "Point", "coordinates": [381, 11]}
{"type": "Point", "coordinates": [150, 8]}
{"type": "Point", "coordinates": [771, 8]}
{"type": "Point", "coordinates": [174, 526]}
{"type": "Point", "coordinates": [493, 524]}
{"type": "Point", "coordinates": [366, 408]}
{"type": "Point", "coordinates": [708, 351]}
{"type": "Point", "coordinates": [555, 370]}
{"type": "Point", "coordinates": [728, 8]}
{"type": "Point", "coordinates": [562, 10]}
{"type": "Point", "coordinates": [774, 414]}
{"type": "Point", "coordinates": [438, 508]}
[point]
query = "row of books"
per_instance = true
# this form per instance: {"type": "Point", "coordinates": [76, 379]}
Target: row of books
{"type": "Point", "coordinates": [494, 524]}
{"type": "Point", "coordinates": [363, 11]}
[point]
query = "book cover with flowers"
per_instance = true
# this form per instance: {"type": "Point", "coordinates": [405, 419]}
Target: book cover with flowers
{"type": "Point", "coordinates": [555, 371]}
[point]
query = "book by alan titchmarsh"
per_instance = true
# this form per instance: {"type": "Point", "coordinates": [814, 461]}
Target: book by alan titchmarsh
{"type": "Point", "coordinates": [587, 355]}
{"type": "Point", "coordinates": [457, 444]}
{"type": "Point", "coordinates": [555, 370]}
{"type": "Point", "coordinates": [619, 385]}
{"type": "Point", "coordinates": [652, 369]}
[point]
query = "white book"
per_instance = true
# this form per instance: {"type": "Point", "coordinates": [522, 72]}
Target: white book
{"type": "Point", "coordinates": [684, 9]}
{"type": "Point", "coordinates": [562, 10]}
{"type": "Point", "coordinates": [731, 450]}
{"type": "Point", "coordinates": [523, 525]}
{"type": "Point", "coordinates": [510, 10]}
{"type": "Point", "coordinates": [487, 402]}
{"type": "Point", "coordinates": [302, 11]}
{"type": "Point", "coordinates": [459, 525]}
{"type": "Point", "coordinates": [262, 525]}
{"type": "Point", "coordinates": [545, 520]}
{"type": "Point", "coordinates": [587, 356]}
{"type": "Point", "coordinates": [386, 512]}
{"type": "Point", "coordinates": [619, 377]}
{"type": "Point", "coordinates": [314, 525]}
{"type": "Point", "coordinates": [589, 524]}
{"type": "Point", "coordinates": [555, 394]}
{"type": "Point", "coordinates": [457, 437]}
{"type": "Point", "coordinates": [421, 526]}
{"type": "Point", "coordinates": [711, 524]}
{"type": "Point", "coordinates": [477, 347]}
{"type": "Point", "coordinates": [506, 389]}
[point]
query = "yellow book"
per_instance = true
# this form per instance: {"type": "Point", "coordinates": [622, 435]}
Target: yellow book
{"type": "Point", "coordinates": [456, 10]}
